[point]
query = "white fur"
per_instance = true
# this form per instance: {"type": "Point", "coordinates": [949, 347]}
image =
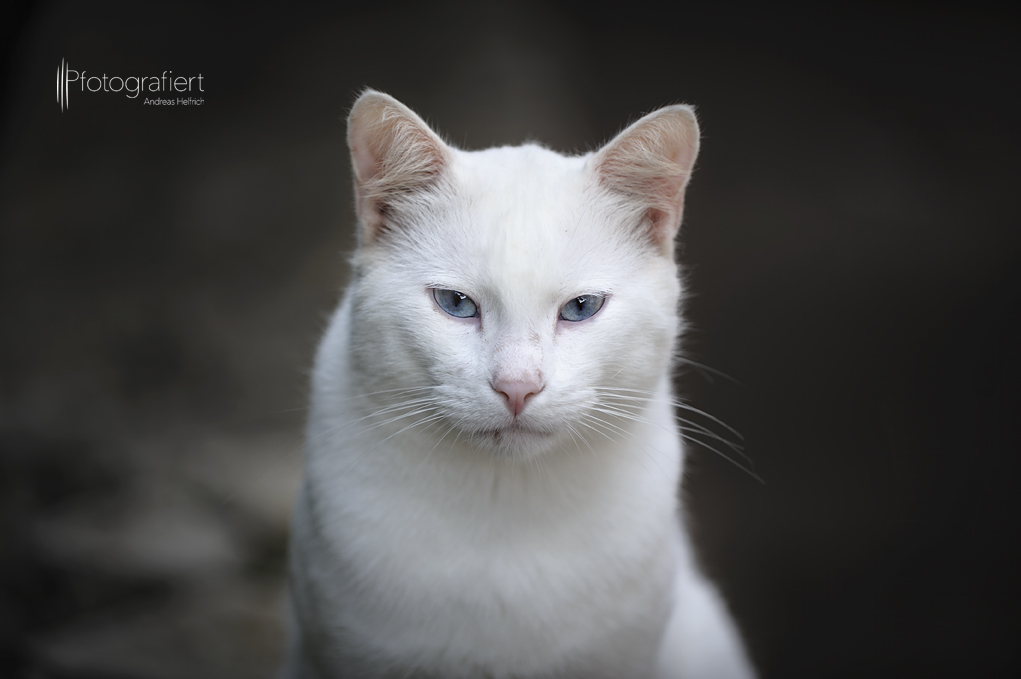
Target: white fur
{"type": "Point", "coordinates": [438, 535]}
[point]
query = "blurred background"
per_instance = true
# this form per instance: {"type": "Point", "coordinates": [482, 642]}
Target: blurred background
{"type": "Point", "coordinates": [851, 241]}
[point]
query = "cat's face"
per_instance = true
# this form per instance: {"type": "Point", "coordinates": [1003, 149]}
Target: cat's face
{"type": "Point", "coordinates": [516, 299]}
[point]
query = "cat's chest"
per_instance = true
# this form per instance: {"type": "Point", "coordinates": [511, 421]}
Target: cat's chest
{"type": "Point", "coordinates": [459, 529]}
{"type": "Point", "coordinates": [425, 576]}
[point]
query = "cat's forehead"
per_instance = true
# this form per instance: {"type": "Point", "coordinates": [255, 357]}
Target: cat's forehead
{"type": "Point", "coordinates": [528, 219]}
{"type": "Point", "coordinates": [521, 186]}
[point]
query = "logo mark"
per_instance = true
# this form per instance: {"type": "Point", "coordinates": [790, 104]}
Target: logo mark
{"type": "Point", "coordinates": [132, 87]}
{"type": "Point", "coordinates": [62, 85]}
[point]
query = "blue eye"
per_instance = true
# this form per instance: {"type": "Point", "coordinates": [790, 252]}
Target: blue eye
{"type": "Point", "coordinates": [580, 308]}
{"type": "Point", "coordinates": [455, 303]}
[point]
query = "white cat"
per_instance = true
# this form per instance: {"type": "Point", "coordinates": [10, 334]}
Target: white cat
{"type": "Point", "coordinates": [493, 464]}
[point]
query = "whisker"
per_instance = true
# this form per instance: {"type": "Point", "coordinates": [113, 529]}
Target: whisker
{"type": "Point", "coordinates": [688, 425]}
{"type": "Point", "coordinates": [676, 403]}
{"type": "Point", "coordinates": [427, 409]}
{"type": "Point", "coordinates": [333, 434]}
{"type": "Point", "coordinates": [440, 440]}
{"type": "Point", "coordinates": [405, 390]}
{"type": "Point", "coordinates": [750, 472]}
{"type": "Point", "coordinates": [431, 418]}
{"type": "Point", "coordinates": [695, 428]}
{"type": "Point", "coordinates": [685, 406]}
{"type": "Point", "coordinates": [586, 416]}
{"type": "Point", "coordinates": [571, 429]}
{"type": "Point", "coordinates": [382, 411]}
{"type": "Point", "coordinates": [703, 368]}
{"type": "Point", "coordinates": [370, 449]}
{"type": "Point", "coordinates": [630, 435]}
{"type": "Point", "coordinates": [418, 406]}
{"type": "Point", "coordinates": [615, 400]}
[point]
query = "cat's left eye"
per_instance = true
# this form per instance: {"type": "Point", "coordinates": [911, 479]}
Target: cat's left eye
{"type": "Point", "coordinates": [455, 303]}
{"type": "Point", "coordinates": [580, 308]}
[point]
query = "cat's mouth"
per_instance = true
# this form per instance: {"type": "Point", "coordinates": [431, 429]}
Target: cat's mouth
{"type": "Point", "coordinates": [516, 428]}
{"type": "Point", "coordinates": [514, 439]}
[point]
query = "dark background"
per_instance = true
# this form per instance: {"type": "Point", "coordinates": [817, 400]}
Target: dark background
{"type": "Point", "coordinates": [852, 245]}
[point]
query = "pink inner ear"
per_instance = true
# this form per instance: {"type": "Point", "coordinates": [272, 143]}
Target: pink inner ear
{"type": "Point", "coordinates": [366, 164]}
{"type": "Point", "coordinates": [394, 153]}
{"type": "Point", "coordinates": [650, 163]}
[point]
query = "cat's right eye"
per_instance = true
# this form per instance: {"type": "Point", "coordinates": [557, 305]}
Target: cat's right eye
{"type": "Point", "coordinates": [457, 304]}
{"type": "Point", "coordinates": [580, 308]}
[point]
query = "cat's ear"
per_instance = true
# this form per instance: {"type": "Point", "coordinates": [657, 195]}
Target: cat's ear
{"type": "Point", "coordinates": [649, 165]}
{"type": "Point", "coordinates": [394, 155]}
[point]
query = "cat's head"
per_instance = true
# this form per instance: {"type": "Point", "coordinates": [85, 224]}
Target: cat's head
{"type": "Point", "coordinates": [520, 296]}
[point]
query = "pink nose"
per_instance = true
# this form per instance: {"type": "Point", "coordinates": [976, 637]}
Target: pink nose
{"type": "Point", "coordinates": [517, 393]}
